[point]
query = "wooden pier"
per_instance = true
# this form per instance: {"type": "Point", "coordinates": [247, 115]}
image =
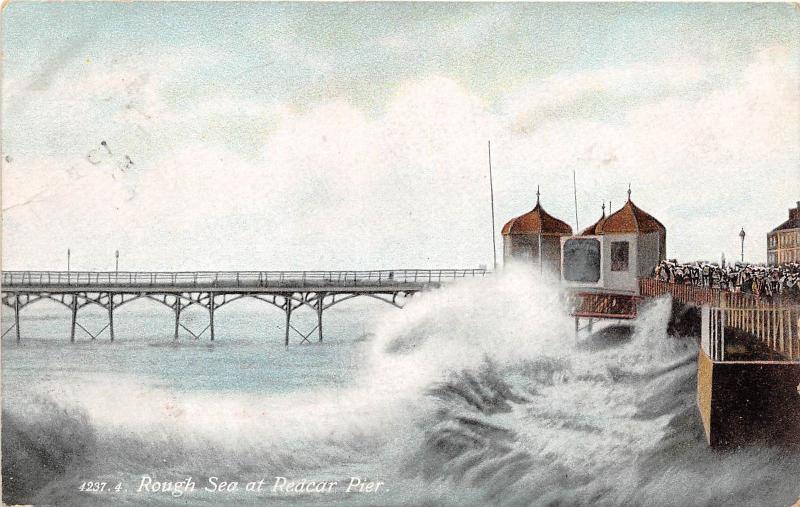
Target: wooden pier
{"type": "Point", "coordinates": [286, 290]}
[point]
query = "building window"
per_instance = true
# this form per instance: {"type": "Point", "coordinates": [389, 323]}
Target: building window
{"type": "Point", "coordinates": [619, 256]}
{"type": "Point", "coordinates": [581, 260]}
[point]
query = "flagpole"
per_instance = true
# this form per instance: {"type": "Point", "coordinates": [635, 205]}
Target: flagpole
{"type": "Point", "coordinates": [575, 193]}
{"type": "Point", "coordinates": [491, 196]}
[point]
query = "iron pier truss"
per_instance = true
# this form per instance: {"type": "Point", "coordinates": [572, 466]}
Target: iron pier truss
{"type": "Point", "coordinates": [287, 290]}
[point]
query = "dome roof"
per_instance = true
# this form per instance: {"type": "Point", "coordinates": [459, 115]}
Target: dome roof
{"type": "Point", "coordinates": [593, 229]}
{"type": "Point", "coordinates": [629, 219]}
{"type": "Point", "coordinates": [537, 221]}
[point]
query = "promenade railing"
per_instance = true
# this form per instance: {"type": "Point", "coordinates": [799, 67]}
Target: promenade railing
{"type": "Point", "coordinates": [687, 294]}
{"type": "Point", "coordinates": [775, 321]}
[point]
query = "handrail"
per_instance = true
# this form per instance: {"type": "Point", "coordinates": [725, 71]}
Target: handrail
{"type": "Point", "coordinates": [684, 293]}
{"type": "Point", "coordinates": [381, 278]}
{"type": "Point", "coordinates": [774, 322]}
{"type": "Point", "coordinates": [693, 294]}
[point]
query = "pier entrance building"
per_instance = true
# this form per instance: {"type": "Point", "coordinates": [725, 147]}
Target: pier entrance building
{"type": "Point", "coordinates": [535, 238]}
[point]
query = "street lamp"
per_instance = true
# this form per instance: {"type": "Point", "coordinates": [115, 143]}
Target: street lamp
{"type": "Point", "coordinates": [116, 266]}
{"type": "Point", "coordinates": [68, 255]}
{"type": "Point", "coordinates": [742, 235]}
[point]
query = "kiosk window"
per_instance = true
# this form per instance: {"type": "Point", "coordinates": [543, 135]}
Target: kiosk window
{"type": "Point", "coordinates": [582, 260]}
{"type": "Point", "coordinates": [619, 256]}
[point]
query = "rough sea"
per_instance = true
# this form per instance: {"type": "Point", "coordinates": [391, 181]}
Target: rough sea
{"type": "Point", "coordinates": [477, 394]}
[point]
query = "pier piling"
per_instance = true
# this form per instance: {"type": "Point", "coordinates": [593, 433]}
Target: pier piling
{"type": "Point", "coordinates": [211, 314]}
{"type": "Point", "coordinates": [320, 297]}
{"type": "Point", "coordinates": [16, 316]}
{"type": "Point", "coordinates": [288, 309]}
{"type": "Point", "coordinates": [177, 316]}
{"type": "Point", "coordinates": [111, 316]}
{"type": "Point", "coordinates": [74, 318]}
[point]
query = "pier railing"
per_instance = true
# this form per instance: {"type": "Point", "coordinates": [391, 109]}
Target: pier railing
{"type": "Point", "coordinates": [774, 322]}
{"type": "Point", "coordinates": [776, 325]}
{"type": "Point", "coordinates": [602, 305]}
{"type": "Point", "coordinates": [687, 294]}
{"type": "Point", "coordinates": [286, 290]}
{"type": "Point", "coordinates": [234, 279]}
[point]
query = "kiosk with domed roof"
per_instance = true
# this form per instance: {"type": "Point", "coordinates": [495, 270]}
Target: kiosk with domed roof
{"type": "Point", "coordinates": [535, 232]}
{"type": "Point", "coordinates": [615, 251]}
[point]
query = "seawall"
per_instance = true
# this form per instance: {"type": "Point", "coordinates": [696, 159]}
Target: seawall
{"type": "Point", "coordinates": [750, 399]}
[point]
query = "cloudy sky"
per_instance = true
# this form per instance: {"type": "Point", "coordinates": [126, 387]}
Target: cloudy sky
{"type": "Point", "coordinates": [346, 136]}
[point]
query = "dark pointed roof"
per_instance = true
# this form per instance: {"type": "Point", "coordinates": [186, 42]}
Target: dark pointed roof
{"type": "Point", "coordinates": [592, 229]}
{"type": "Point", "coordinates": [629, 219]}
{"type": "Point", "coordinates": [537, 221]}
{"type": "Point", "coordinates": [793, 222]}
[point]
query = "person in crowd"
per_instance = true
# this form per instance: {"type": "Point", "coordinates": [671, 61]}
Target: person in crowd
{"type": "Point", "coordinates": [759, 280]}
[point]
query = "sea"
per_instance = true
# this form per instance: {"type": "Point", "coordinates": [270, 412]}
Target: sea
{"type": "Point", "coordinates": [475, 394]}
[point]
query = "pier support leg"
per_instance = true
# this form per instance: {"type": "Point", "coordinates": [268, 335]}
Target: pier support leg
{"type": "Point", "coordinates": [590, 326]}
{"type": "Point", "coordinates": [16, 316]}
{"type": "Point", "coordinates": [577, 326]}
{"type": "Point", "coordinates": [74, 318]}
{"type": "Point", "coordinates": [319, 315]}
{"type": "Point", "coordinates": [111, 316]}
{"type": "Point", "coordinates": [211, 314]}
{"type": "Point", "coordinates": [288, 310]}
{"type": "Point", "coordinates": [177, 316]}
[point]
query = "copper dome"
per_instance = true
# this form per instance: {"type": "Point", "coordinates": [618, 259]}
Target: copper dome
{"type": "Point", "coordinates": [629, 219]}
{"type": "Point", "coordinates": [537, 221]}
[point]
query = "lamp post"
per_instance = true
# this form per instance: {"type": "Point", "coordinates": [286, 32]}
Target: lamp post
{"type": "Point", "coordinates": [69, 253]}
{"type": "Point", "coordinates": [116, 265]}
{"type": "Point", "coordinates": [742, 235]}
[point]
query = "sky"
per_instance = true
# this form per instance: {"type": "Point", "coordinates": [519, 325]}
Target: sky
{"type": "Point", "coordinates": [265, 136]}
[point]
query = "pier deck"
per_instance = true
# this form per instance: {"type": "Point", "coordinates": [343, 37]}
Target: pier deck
{"type": "Point", "coordinates": [287, 290]}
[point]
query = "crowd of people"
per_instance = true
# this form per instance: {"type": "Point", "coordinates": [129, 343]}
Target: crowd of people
{"type": "Point", "coordinates": [759, 280]}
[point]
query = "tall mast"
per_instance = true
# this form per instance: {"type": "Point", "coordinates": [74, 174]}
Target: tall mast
{"type": "Point", "coordinates": [541, 230]}
{"type": "Point", "coordinates": [491, 196]}
{"type": "Point", "coordinates": [575, 193]}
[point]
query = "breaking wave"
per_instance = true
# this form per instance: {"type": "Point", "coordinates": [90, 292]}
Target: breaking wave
{"type": "Point", "coordinates": [477, 394]}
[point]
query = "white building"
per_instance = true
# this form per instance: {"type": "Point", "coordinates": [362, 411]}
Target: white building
{"type": "Point", "coordinates": [615, 251]}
